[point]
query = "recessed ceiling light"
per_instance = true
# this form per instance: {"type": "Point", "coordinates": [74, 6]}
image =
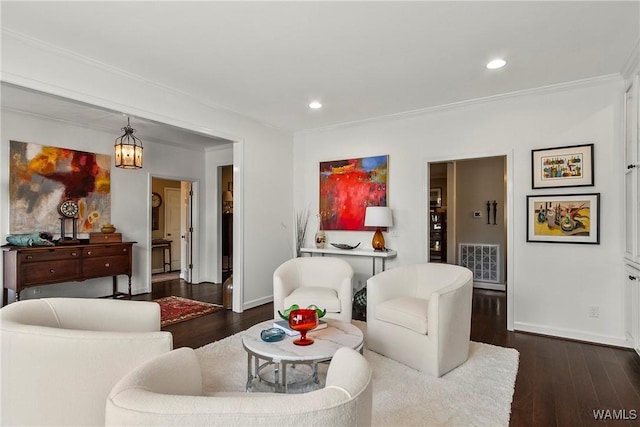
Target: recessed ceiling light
{"type": "Point", "coordinates": [315, 105]}
{"type": "Point", "coordinates": [496, 63]}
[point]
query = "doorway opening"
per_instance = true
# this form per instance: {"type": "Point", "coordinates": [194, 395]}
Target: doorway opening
{"type": "Point", "coordinates": [467, 221]}
{"type": "Point", "coordinates": [226, 241]}
{"type": "Point", "coordinates": [171, 229]}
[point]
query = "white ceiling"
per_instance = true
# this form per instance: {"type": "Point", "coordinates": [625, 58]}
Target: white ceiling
{"type": "Point", "coordinates": [268, 60]}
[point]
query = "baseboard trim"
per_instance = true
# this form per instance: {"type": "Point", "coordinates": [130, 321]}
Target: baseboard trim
{"type": "Point", "coordinates": [572, 335]}
{"type": "Point", "coordinates": [490, 286]}
{"type": "Point", "coordinates": [255, 303]}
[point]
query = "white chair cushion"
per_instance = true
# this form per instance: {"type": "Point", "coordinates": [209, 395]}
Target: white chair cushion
{"type": "Point", "coordinates": [324, 298]}
{"type": "Point", "coordinates": [408, 312]}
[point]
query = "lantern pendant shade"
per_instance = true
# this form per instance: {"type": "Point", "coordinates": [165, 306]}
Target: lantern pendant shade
{"type": "Point", "coordinates": [378, 216]}
{"type": "Point", "coordinates": [128, 149]}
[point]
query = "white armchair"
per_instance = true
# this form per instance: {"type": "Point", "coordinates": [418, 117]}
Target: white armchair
{"type": "Point", "coordinates": [167, 391]}
{"type": "Point", "coordinates": [323, 281]}
{"type": "Point", "coordinates": [62, 356]}
{"type": "Point", "coordinates": [420, 315]}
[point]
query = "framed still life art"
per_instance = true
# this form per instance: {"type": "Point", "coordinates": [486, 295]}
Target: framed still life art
{"type": "Point", "coordinates": [573, 218]}
{"type": "Point", "coordinates": [570, 166]}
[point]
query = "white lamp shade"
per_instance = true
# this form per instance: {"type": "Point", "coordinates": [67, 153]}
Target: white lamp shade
{"type": "Point", "coordinates": [378, 216]}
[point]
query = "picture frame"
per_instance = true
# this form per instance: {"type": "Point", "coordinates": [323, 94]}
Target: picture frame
{"type": "Point", "coordinates": [570, 166]}
{"type": "Point", "coordinates": [31, 210]}
{"type": "Point", "coordinates": [347, 187]}
{"type": "Point", "coordinates": [435, 197]}
{"type": "Point", "coordinates": [564, 218]}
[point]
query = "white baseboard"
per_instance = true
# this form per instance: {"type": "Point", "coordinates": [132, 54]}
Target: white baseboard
{"type": "Point", "coordinates": [571, 334]}
{"type": "Point", "coordinates": [491, 286]}
{"type": "Point", "coordinates": [255, 303]}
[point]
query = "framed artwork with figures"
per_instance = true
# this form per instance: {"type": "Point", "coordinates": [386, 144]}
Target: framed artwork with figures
{"type": "Point", "coordinates": [570, 166]}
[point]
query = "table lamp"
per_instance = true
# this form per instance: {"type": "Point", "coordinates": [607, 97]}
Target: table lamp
{"type": "Point", "coordinates": [378, 216]}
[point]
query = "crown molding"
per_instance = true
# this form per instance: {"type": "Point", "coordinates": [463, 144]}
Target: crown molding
{"type": "Point", "coordinates": [554, 88]}
{"type": "Point", "coordinates": [103, 129]}
{"type": "Point", "coordinates": [74, 56]}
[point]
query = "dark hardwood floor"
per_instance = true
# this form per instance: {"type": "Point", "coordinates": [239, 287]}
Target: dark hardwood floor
{"type": "Point", "coordinates": [559, 382]}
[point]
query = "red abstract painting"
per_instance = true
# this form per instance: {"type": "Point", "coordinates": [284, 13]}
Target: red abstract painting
{"type": "Point", "coordinates": [347, 187]}
{"type": "Point", "coordinates": [41, 177]}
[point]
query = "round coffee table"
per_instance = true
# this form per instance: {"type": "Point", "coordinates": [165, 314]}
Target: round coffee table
{"type": "Point", "coordinates": [282, 353]}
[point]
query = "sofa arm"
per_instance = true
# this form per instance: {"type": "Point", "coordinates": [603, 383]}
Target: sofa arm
{"type": "Point", "coordinates": [150, 396]}
{"type": "Point", "coordinates": [105, 314]}
{"type": "Point", "coordinates": [449, 323]}
{"type": "Point", "coordinates": [284, 282]}
{"type": "Point", "coordinates": [348, 371]}
{"type": "Point", "coordinates": [67, 374]}
{"type": "Point", "coordinates": [176, 372]}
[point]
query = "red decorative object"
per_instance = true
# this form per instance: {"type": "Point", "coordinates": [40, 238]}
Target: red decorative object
{"type": "Point", "coordinates": [303, 320]}
{"type": "Point", "coordinates": [177, 309]}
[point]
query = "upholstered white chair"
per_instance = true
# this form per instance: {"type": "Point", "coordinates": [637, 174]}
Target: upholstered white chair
{"type": "Point", "coordinates": [420, 315]}
{"type": "Point", "coordinates": [168, 391]}
{"type": "Point", "coordinates": [62, 356]}
{"type": "Point", "coordinates": [324, 281]}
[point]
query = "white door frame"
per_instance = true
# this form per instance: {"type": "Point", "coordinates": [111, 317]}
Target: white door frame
{"type": "Point", "coordinates": [509, 215]}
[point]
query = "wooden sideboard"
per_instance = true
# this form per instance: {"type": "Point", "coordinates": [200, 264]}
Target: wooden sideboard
{"type": "Point", "coordinates": [48, 265]}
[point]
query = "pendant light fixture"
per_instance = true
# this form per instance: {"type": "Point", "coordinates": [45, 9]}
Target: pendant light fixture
{"type": "Point", "coordinates": [128, 149]}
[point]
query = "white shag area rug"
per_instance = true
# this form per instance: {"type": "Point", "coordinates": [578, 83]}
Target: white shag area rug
{"type": "Point", "coordinates": [478, 393]}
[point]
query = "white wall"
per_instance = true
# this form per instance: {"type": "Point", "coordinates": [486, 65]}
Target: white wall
{"type": "Point", "coordinates": [553, 284]}
{"type": "Point", "coordinates": [263, 155]}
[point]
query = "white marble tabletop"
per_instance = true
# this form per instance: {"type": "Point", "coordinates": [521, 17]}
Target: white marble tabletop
{"type": "Point", "coordinates": [326, 342]}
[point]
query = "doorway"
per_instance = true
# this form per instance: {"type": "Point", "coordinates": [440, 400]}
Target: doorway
{"type": "Point", "coordinates": [226, 241]}
{"type": "Point", "coordinates": [171, 229]}
{"type": "Point", "coordinates": [468, 221]}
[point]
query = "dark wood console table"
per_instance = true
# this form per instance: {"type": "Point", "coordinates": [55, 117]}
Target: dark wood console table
{"type": "Point", "coordinates": [164, 245]}
{"type": "Point", "coordinates": [48, 265]}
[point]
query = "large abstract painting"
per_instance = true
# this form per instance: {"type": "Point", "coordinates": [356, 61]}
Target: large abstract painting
{"type": "Point", "coordinates": [41, 177]}
{"type": "Point", "coordinates": [347, 187]}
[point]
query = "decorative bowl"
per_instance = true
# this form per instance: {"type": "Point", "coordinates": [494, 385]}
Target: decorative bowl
{"type": "Point", "coordinates": [108, 229]}
{"type": "Point", "coordinates": [287, 312]}
{"type": "Point", "coordinates": [344, 245]}
{"type": "Point", "coordinates": [272, 334]}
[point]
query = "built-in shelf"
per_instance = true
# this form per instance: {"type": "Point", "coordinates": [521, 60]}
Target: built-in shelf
{"type": "Point", "coordinates": [438, 235]}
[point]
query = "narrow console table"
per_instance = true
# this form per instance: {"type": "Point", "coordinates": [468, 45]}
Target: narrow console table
{"type": "Point", "coordinates": [164, 245]}
{"type": "Point", "coordinates": [48, 265]}
{"type": "Point", "coordinates": [383, 255]}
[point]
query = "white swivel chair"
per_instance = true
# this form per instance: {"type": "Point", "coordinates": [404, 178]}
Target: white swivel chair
{"type": "Point", "coordinates": [420, 315]}
{"type": "Point", "coordinates": [323, 281]}
{"type": "Point", "coordinates": [62, 356]}
{"type": "Point", "coordinates": [168, 391]}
